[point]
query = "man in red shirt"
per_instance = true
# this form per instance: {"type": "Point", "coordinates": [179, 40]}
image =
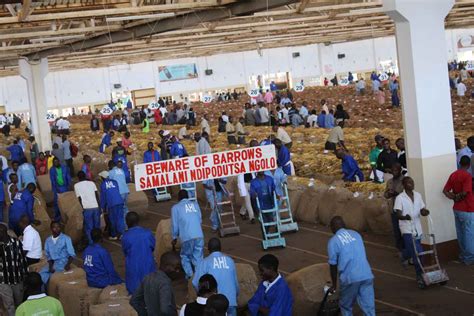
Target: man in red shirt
{"type": "Point", "coordinates": [459, 189]}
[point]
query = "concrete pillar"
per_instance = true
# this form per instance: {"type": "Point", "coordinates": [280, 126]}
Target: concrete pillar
{"type": "Point", "coordinates": [426, 99]}
{"type": "Point", "coordinates": [34, 72]}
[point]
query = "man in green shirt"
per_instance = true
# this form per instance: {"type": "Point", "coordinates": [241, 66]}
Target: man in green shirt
{"type": "Point", "coordinates": [373, 156]}
{"type": "Point", "coordinates": [37, 302]}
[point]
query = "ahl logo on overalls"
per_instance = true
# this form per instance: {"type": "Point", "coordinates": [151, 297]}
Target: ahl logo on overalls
{"type": "Point", "coordinates": [190, 208]}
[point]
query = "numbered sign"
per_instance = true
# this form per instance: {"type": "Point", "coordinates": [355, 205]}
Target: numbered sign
{"type": "Point", "coordinates": [254, 93]}
{"type": "Point", "coordinates": [153, 106]}
{"type": "Point", "coordinates": [470, 65]}
{"type": "Point", "coordinates": [50, 117]}
{"type": "Point", "coordinates": [299, 88]}
{"type": "Point", "coordinates": [344, 81]}
{"type": "Point", "coordinates": [207, 98]}
{"type": "Point", "coordinates": [383, 76]}
{"type": "Point", "coordinates": [106, 110]}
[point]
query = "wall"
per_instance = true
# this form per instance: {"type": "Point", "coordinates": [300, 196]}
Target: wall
{"type": "Point", "coordinates": [92, 86]}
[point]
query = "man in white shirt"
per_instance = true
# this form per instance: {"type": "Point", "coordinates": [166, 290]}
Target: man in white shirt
{"type": "Point", "coordinates": [313, 119]}
{"type": "Point", "coordinates": [63, 125]}
{"type": "Point", "coordinates": [31, 241]}
{"type": "Point", "coordinates": [183, 132]}
{"type": "Point", "coordinates": [264, 117]}
{"type": "Point", "coordinates": [461, 88]}
{"type": "Point", "coordinates": [409, 207]}
{"type": "Point", "coordinates": [282, 135]}
{"type": "Point", "coordinates": [86, 192]}
{"type": "Point", "coordinates": [225, 117]}
{"type": "Point", "coordinates": [205, 125]}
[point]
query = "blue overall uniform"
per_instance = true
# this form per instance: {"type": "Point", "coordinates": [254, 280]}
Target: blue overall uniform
{"type": "Point", "coordinates": [151, 156]}
{"type": "Point", "coordinates": [346, 250]}
{"type": "Point", "coordinates": [263, 190]}
{"type": "Point", "coordinates": [177, 150]}
{"type": "Point", "coordinates": [118, 175]}
{"type": "Point", "coordinates": [321, 120]}
{"type": "Point", "coordinates": [120, 153]}
{"type": "Point", "coordinates": [59, 252]}
{"type": "Point", "coordinates": [350, 169]}
{"type": "Point", "coordinates": [100, 271]}
{"type": "Point", "coordinates": [186, 224]}
{"type": "Point", "coordinates": [22, 204]}
{"type": "Point", "coordinates": [222, 268]}
{"type": "Point", "coordinates": [112, 202]}
{"type": "Point", "coordinates": [106, 142]}
{"type": "Point", "coordinates": [59, 188]}
{"type": "Point", "coordinates": [138, 245]}
{"type": "Point", "coordinates": [27, 174]}
{"type": "Point", "coordinates": [265, 142]}
{"type": "Point", "coordinates": [2, 201]}
{"type": "Point", "coordinates": [220, 191]}
{"type": "Point", "coordinates": [279, 177]}
{"type": "Point", "coordinates": [16, 153]}
{"type": "Point", "coordinates": [284, 159]}
{"type": "Point", "coordinates": [276, 297]}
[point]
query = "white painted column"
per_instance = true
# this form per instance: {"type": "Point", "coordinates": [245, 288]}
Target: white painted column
{"type": "Point", "coordinates": [426, 100]}
{"type": "Point", "coordinates": [34, 72]}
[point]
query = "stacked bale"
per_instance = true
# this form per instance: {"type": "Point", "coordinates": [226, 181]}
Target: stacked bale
{"type": "Point", "coordinates": [377, 212]}
{"type": "Point", "coordinates": [59, 278]}
{"type": "Point", "coordinates": [44, 184]}
{"type": "Point", "coordinates": [71, 215]}
{"type": "Point", "coordinates": [163, 238]}
{"type": "Point", "coordinates": [41, 215]}
{"type": "Point", "coordinates": [308, 206]}
{"type": "Point", "coordinates": [137, 201]}
{"type": "Point", "coordinates": [352, 212]}
{"type": "Point", "coordinates": [113, 293]}
{"type": "Point", "coordinates": [307, 288]}
{"type": "Point", "coordinates": [76, 297]}
{"type": "Point", "coordinates": [113, 308]}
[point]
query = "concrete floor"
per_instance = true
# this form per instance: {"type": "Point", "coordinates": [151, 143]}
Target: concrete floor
{"type": "Point", "coordinates": [396, 291]}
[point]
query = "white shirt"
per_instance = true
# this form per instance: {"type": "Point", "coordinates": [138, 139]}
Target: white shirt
{"type": "Point", "coordinates": [461, 89]}
{"type": "Point", "coordinates": [182, 132]}
{"type": "Point", "coordinates": [4, 162]}
{"type": "Point", "coordinates": [264, 115]}
{"type": "Point", "coordinates": [312, 119]}
{"type": "Point", "coordinates": [408, 207]}
{"type": "Point", "coordinates": [63, 124]}
{"type": "Point", "coordinates": [86, 191]}
{"type": "Point", "coordinates": [268, 285]}
{"type": "Point", "coordinates": [205, 126]}
{"type": "Point", "coordinates": [283, 136]}
{"type": "Point", "coordinates": [163, 111]}
{"type": "Point", "coordinates": [199, 300]}
{"type": "Point", "coordinates": [225, 118]}
{"type": "Point", "coordinates": [32, 243]}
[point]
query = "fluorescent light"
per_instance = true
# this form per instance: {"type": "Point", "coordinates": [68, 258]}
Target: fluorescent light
{"type": "Point", "coordinates": [140, 17]}
{"type": "Point", "coordinates": [56, 38]}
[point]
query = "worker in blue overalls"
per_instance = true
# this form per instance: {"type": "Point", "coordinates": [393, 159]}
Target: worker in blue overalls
{"type": "Point", "coordinates": [283, 158]}
{"type": "Point", "coordinates": [177, 149]}
{"type": "Point", "coordinates": [138, 244]}
{"type": "Point", "coordinates": [215, 190]}
{"type": "Point", "coordinates": [222, 268]}
{"type": "Point", "coordinates": [60, 183]}
{"type": "Point", "coordinates": [120, 153]}
{"type": "Point", "coordinates": [98, 265]}
{"type": "Point", "coordinates": [106, 141]}
{"type": "Point", "coordinates": [262, 188]}
{"type": "Point", "coordinates": [186, 225]}
{"type": "Point", "coordinates": [151, 155]}
{"type": "Point", "coordinates": [22, 204]}
{"type": "Point", "coordinates": [111, 202]}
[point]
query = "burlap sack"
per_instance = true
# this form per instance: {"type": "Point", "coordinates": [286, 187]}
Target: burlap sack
{"type": "Point", "coordinates": [58, 278]}
{"type": "Point", "coordinates": [76, 297]}
{"type": "Point", "coordinates": [353, 213]}
{"type": "Point", "coordinates": [71, 215]}
{"type": "Point", "coordinates": [377, 213]}
{"type": "Point", "coordinates": [163, 238]}
{"type": "Point", "coordinates": [38, 266]}
{"type": "Point", "coordinates": [41, 215]}
{"type": "Point", "coordinates": [44, 184]}
{"type": "Point", "coordinates": [309, 203]}
{"type": "Point", "coordinates": [113, 293]}
{"type": "Point", "coordinates": [332, 200]}
{"type": "Point", "coordinates": [201, 195]}
{"type": "Point", "coordinates": [248, 283]}
{"type": "Point", "coordinates": [113, 308]}
{"type": "Point", "coordinates": [137, 201]}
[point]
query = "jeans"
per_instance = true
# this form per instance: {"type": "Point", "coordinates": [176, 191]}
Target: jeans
{"type": "Point", "coordinates": [232, 311]}
{"type": "Point", "coordinates": [409, 251]}
{"type": "Point", "coordinates": [465, 233]}
{"type": "Point", "coordinates": [57, 212]}
{"type": "Point", "coordinates": [214, 216]}
{"type": "Point", "coordinates": [91, 221]}
{"type": "Point", "coordinates": [117, 221]}
{"type": "Point", "coordinates": [70, 165]}
{"type": "Point", "coordinates": [192, 252]}
{"type": "Point", "coordinates": [363, 292]}
{"type": "Point", "coordinates": [396, 232]}
{"type": "Point", "coordinates": [125, 200]}
{"type": "Point", "coordinates": [2, 203]}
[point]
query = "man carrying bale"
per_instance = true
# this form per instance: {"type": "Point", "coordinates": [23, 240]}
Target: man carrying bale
{"type": "Point", "coordinates": [138, 245]}
{"type": "Point", "coordinates": [347, 257]}
{"type": "Point", "coordinates": [222, 268]}
{"type": "Point", "coordinates": [59, 252]}
{"type": "Point", "coordinates": [98, 265]}
{"type": "Point", "coordinates": [60, 183]}
{"type": "Point", "coordinates": [186, 224]}
{"type": "Point", "coordinates": [86, 192]}
{"type": "Point", "coordinates": [111, 202]}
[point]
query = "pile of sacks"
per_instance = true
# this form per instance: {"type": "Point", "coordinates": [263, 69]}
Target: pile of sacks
{"type": "Point", "coordinates": [70, 288]}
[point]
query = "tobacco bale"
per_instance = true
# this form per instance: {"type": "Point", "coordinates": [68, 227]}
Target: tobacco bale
{"type": "Point", "coordinates": [44, 184]}
{"type": "Point", "coordinates": [333, 199]}
{"type": "Point", "coordinates": [113, 293]}
{"type": "Point", "coordinates": [120, 307]}
{"type": "Point", "coordinates": [58, 278]}
{"type": "Point", "coordinates": [163, 238]}
{"type": "Point", "coordinates": [309, 203]}
{"type": "Point", "coordinates": [41, 215]}
{"type": "Point", "coordinates": [377, 212]}
{"type": "Point", "coordinates": [71, 215]}
{"type": "Point", "coordinates": [353, 213]}
{"type": "Point", "coordinates": [76, 297]}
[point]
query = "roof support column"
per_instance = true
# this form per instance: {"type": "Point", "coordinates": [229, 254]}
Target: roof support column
{"type": "Point", "coordinates": [427, 113]}
{"type": "Point", "coordinates": [34, 72]}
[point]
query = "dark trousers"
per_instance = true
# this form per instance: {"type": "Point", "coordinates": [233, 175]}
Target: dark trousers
{"type": "Point", "coordinates": [31, 261]}
{"type": "Point", "coordinates": [396, 232]}
{"type": "Point", "coordinates": [70, 165]}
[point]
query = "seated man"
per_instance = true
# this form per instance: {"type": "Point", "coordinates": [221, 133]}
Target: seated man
{"type": "Point", "coordinates": [350, 169]}
{"type": "Point", "coordinates": [273, 296]}
{"type": "Point", "coordinates": [100, 271]}
{"type": "Point", "coordinates": [58, 251]}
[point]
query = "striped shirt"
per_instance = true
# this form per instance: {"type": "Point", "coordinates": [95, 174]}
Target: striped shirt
{"type": "Point", "coordinates": [13, 266]}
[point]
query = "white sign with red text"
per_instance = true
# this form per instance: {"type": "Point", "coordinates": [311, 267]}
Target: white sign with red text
{"type": "Point", "coordinates": [204, 167]}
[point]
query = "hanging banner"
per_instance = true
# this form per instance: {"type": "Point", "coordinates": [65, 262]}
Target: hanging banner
{"type": "Point", "coordinates": [204, 167]}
